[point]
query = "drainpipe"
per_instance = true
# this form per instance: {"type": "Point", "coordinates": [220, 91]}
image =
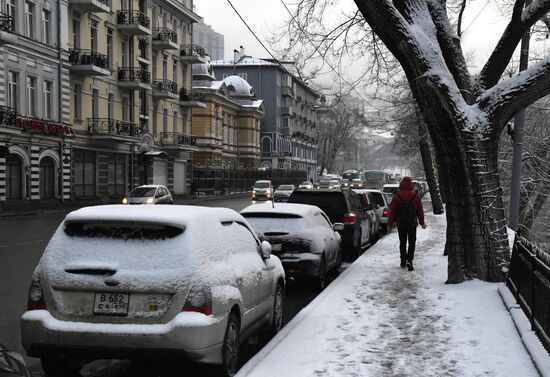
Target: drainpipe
{"type": "Point", "coordinates": [60, 101]}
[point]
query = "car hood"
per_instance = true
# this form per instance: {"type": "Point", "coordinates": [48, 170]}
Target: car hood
{"type": "Point", "coordinates": [138, 200]}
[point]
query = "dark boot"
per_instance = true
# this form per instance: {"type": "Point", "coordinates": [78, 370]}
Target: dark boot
{"type": "Point", "coordinates": [403, 262]}
{"type": "Point", "coordinates": [410, 265]}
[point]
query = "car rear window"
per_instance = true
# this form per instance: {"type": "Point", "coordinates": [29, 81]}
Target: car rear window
{"type": "Point", "coordinates": [378, 199]}
{"type": "Point", "coordinates": [121, 230]}
{"type": "Point", "coordinates": [266, 223]}
{"type": "Point", "coordinates": [332, 203]}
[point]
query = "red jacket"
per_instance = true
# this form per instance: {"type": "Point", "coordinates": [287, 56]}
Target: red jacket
{"type": "Point", "coordinates": [405, 195]}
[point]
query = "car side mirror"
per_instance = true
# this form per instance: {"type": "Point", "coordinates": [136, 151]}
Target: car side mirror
{"type": "Point", "coordinates": [266, 250]}
{"type": "Point", "coordinates": [338, 227]}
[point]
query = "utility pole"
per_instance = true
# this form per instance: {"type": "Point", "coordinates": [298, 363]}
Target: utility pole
{"type": "Point", "coordinates": [519, 122]}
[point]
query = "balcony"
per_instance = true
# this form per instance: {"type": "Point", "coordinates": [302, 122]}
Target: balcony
{"type": "Point", "coordinates": [165, 89]}
{"type": "Point", "coordinates": [107, 126]}
{"type": "Point", "coordinates": [192, 54]}
{"type": "Point", "coordinates": [287, 111]}
{"type": "Point", "coordinates": [133, 22]}
{"type": "Point", "coordinates": [7, 29]}
{"type": "Point", "coordinates": [89, 63]}
{"type": "Point", "coordinates": [7, 116]}
{"type": "Point", "coordinates": [177, 138]}
{"type": "Point", "coordinates": [191, 99]}
{"type": "Point", "coordinates": [165, 39]}
{"type": "Point", "coordinates": [134, 78]}
{"type": "Point", "coordinates": [287, 91]}
{"type": "Point", "coordinates": [91, 6]}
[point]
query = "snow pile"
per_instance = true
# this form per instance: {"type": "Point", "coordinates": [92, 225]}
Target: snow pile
{"type": "Point", "coordinates": [378, 319]}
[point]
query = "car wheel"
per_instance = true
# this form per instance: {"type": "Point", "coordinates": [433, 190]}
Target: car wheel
{"type": "Point", "coordinates": [322, 275]}
{"type": "Point", "coordinates": [277, 317]}
{"type": "Point", "coordinates": [338, 266]}
{"type": "Point", "coordinates": [60, 366]}
{"type": "Point", "coordinates": [357, 248]}
{"type": "Point", "coordinates": [384, 229]}
{"type": "Point", "coordinates": [231, 347]}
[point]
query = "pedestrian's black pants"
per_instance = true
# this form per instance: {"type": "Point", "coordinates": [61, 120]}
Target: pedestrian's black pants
{"type": "Point", "coordinates": [406, 233]}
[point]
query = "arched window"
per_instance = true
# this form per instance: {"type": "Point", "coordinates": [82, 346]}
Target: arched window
{"type": "Point", "coordinates": [47, 178]}
{"type": "Point", "coordinates": [266, 144]}
{"type": "Point", "coordinates": [14, 177]}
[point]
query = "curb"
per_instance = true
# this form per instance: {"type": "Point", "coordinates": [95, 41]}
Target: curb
{"type": "Point", "coordinates": [530, 340]}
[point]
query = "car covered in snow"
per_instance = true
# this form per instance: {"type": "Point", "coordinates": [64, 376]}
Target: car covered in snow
{"type": "Point", "coordinates": [383, 210]}
{"type": "Point", "coordinates": [301, 235]}
{"type": "Point", "coordinates": [370, 206]}
{"type": "Point", "coordinates": [149, 194]}
{"type": "Point", "coordinates": [283, 192]}
{"type": "Point", "coordinates": [135, 281]}
{"type": "Point", "coordinates": [390, 188]}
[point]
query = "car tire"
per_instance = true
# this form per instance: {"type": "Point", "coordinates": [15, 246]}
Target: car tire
{"type": "Point", "coordinates": [357, 249]}
{"type": "Point", "coordinates": [60, 366]}
{"type": "Point", "coordinates": [338, 266]}
{"type": "Point", "coordinates": [231, 347]}
{"type": "Point", "coordinates": [321, 279]}
{"type": "Point", "coordinates": [278, 307]}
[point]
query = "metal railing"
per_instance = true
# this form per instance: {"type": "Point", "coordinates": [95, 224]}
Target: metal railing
{"type": "Point", "coordinates": [529, 281]}
{"type": "Point", "coordinates": [164, 34]}
{"type": "Point", "coordinates": [134, 74]}
{"type": "Point", "coordinates": [88, 57]}
{"type": "Point", "coordinates": [112, 127]}
{"type": "Point", "coordinates": [190, 50]}
{"type": "Point", "coordinates": [177, 138]}
{"type": "Point", "coordinates": [189, 95]}
{"type": "Point", "coordinates": [165, 85]}
{"type": "Point", "coordinates": [129, 17]}
{"type": "Point", "coordinates": [7, 23]}
{"type": "Point", "coordinates": [7, 115]}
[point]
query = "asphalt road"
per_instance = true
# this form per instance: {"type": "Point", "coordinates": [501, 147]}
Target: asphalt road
{"type": "Point", "coordinates": [22, 241]}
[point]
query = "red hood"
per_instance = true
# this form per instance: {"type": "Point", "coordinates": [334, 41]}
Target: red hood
{"type": "Point", "coordinates": [406, 184]}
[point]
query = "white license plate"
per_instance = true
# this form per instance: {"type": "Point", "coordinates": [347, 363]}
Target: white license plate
{"type": "Point", "coordinates": [111, 303]}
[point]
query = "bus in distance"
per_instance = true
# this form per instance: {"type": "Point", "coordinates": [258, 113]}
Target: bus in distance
{"type": "Point", "coordinates": [375, 179]}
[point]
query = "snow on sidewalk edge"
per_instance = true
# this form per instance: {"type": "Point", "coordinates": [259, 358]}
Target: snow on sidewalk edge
{"type": "Point", "coordinates": [532, 344]}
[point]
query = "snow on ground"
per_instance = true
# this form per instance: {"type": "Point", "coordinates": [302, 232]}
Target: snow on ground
{"type": "Point", "coordinates": [378, 319]}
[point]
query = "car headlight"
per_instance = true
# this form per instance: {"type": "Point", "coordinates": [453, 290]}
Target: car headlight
{"type": "Point", "coordinates": [150, 201]}
{"type": "Point", "coordinates": [125, 201]}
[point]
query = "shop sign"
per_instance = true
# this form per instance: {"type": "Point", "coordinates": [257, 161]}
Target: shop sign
{"type": "Point", "coordinates": [43, 126]}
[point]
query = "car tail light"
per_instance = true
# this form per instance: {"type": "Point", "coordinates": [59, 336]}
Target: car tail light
{"type": "Point", "coordinates": [350, 218]}
{"type": "Point", "coordinates": [36, 297]}
{"type": "Point", "coordinates": [199, 301]}
{"type": "Point", "coordinates": [386, 213]}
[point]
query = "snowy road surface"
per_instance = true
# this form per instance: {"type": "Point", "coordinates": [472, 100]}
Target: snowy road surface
{"type": "Point", "coordinates": [377, 319]}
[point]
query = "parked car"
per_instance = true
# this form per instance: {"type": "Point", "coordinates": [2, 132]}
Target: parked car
{"type": "Point", "coordinates": [149, 194]}
{"type": "Point", "coordinates": [283, 192]}
{"type": "Point", "coordinates": [341, 206]}
{"type": "Point", "coordinates": [306, 185]}
{"type": "Point", "coordinates": [326, 184]}
{"type": "Point", "coordinates": [420, 187]}
{"type": "Point", "coordinates": [302, 236]}
{"type": "Point", "coordinates": [383, 210]}
{"type": "Point", "coordinates": [357, 184]}
{"type": "Point", "coordinates": [134, 282]}
{"type": "Point", "coordinates": [371, 208]}
{"type": "Point", "coordinates": [390, 188]}
{"type": "Point", "coordinates": [262, 190]}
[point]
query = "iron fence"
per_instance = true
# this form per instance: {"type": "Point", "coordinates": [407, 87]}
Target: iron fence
{"type": "Point", "coordinates": [7, 23]}
{"type": "Point", "coordinates": [164, 34]}
{"type": "Point", "coordinates": [529, 281]}
{"type": "Point", "coordinates": [128, 17]}
{"type": "Point", "coordinates": [113, 127]}
{"type": "Point", "coordinates": [88, 57]}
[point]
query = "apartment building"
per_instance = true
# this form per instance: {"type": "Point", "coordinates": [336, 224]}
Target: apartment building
{"type": "Point", "coordinates": [130, 95]}
{"type": "Point", "coordinates": [288, 134]}
{"type": "Point", "coordinates": [228, 129]}
{"type": "Point", "coordinates": [34, 160]}
{"type": "Point", "coordinates": [209, 39]}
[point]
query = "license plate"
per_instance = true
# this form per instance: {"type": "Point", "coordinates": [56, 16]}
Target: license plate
{"type": "Point", "coordinates": [111, 303]}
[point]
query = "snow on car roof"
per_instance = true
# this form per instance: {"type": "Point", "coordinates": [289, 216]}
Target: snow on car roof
{"type": "Point", "coordinates": [303, 210]}
{"type": "Point", "coordinates": [165, 214]}
{"type": "Point", "coordinates": [391, 185]}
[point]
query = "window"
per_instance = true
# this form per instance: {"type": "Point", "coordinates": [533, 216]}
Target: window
{"type": "Point", "coordinates": [165, 120]}
{"type": "Point", "coordinates": [95, 103]}
{"type": "Point", "coordinates": [164, 67]}
{"type": "Point", "coordinates": [12, 89]}
{"type": "Point", "coordinates": [76, 33]}
{"type": "Point", "coordinates": [10, 8]}
{"type": "Point", "coordinates": [84, 174]}
{"type": "Point", "coordinates": [155, 109]}
{"type": "Point", "coordinates": [110, 46]}
{"type": "Point", "coordinates": [111, 106]}
{"type": "Point", "coordinates": [125, 108]}
{"type": "Point", "coordinates": [31, 96]}
{"type": "Point", "coordinates": [175, 71]}
{"type": "Point", "coordinates": [143, 102]}
{"type": "Point", "coordinates": [77, 101]}
{"type": "Point", "coordinates": [154, 58]}
{"type": "Point", "coordinates": [93, 36]}
{"type": "Point", "coordinates": [46, 20]}
{"type": "Point", "coordinates": [175, 122]}
{"type": "Point", "coordinates": [117, 174]}
{"type": "Point", "coordinates": [29, 19]}
{"type": "Point", "coordinates": [124, 51]}
{"type": "Point", "coordinates": [48, 100]}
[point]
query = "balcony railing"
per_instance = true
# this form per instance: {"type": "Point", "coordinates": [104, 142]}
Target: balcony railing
{"type": "Point", "coordinates": [177, 138]}
{"type": "Point", "coordinates": [88, 57]}
{"type": "Point", "coordinates": [112, 127]}
{"type": "Point", "coordinates": [7, 115]}
{"type": "Point", "coordinates": [130, 17]}
{"type": "Point", "coordinates": [192, 50]}
{"type": "Point", "coordinates": [187, 95]}
{"type": "Point", "coordinates": [165, 85]}
{"type": "Point", "coordinates": [134, 74]}
{"type": "Point", "coordinates": [7, 23]}
{"type": "Point", "coordinates": [164, 34]}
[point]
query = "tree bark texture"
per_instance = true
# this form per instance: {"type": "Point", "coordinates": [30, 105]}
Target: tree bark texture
{"type": "Point", "coordinates": [427, 162]}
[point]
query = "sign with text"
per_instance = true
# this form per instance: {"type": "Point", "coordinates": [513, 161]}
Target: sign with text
{"type": "Point", "coordinates": [43, 126]}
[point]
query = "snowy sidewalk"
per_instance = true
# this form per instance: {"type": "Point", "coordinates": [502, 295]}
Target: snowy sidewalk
{"type": "Point", "coordinates": [378, 319]}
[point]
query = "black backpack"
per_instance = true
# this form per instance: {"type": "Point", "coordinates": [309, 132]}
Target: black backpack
{"type": "Point", "coordinates": [405, 215]}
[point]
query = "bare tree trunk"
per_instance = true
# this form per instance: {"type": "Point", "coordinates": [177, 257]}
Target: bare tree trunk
{"type": "Point", "coordinates": [427, 162]}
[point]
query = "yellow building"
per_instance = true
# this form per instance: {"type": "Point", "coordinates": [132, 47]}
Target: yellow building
{"type": "Point", "coordinates": [227, 130]}
{"type": "Point", "coordinates": [130, 95]}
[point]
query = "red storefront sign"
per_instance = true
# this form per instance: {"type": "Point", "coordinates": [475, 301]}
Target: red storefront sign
{"type": "Point", "coordinates": [44, 126]}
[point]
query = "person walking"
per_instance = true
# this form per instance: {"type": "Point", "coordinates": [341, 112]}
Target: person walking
{"type": "Point", "coordinates": [406, 212]}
